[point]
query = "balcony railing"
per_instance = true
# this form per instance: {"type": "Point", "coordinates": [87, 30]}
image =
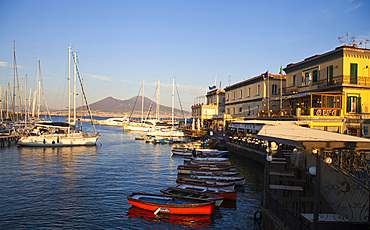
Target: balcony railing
{"type": "Point", "coordinates": [334, 81]}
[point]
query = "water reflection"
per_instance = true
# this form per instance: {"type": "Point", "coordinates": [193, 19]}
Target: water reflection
{"type": "Point", "coordinates": [181, 220]}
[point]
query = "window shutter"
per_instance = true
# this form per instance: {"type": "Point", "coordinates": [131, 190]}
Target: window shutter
{"type": "Point", "coordinates": [358, 105]}
{"type": "Point", "coordinates": [348, 104]}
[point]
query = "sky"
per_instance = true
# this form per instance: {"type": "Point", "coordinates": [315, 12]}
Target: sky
{"type": "Point", "coordinates": [197, 42]}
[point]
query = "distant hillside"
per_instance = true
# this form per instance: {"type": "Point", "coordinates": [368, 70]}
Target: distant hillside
{"type": "Point", "coordinates": [111, 105]}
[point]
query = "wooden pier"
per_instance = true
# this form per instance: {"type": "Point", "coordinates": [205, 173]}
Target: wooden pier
{"type": "Point", "coordinates": [8, 140]}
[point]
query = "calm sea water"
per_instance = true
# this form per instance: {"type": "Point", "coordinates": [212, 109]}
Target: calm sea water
{"type": "Point", "coordinates": [86, 187]}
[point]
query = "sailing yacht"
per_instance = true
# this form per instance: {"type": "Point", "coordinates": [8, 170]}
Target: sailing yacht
{"type": "Point", "coordinates": [168, 132]}
{"type": "Point", "coordinates": [59, 134]}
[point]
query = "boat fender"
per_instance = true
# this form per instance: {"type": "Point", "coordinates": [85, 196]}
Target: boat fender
{"type": "Point", "coordinates": [53, 142]}
{"type": "Point", "coordinates": [44, 141]}
{"type": "Point", "coordinates": [156, 211]}
{"type": "Point", "coordinates": [257, 215]}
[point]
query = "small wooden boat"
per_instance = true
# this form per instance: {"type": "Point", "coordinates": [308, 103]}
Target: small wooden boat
{"type": "Point", "coordinates": [159, 203]}
{"type": "Point", "coordinates": [205, 183]}
{"type": "Point", "coordinates": [214, 173]}
{"type": "Point", "coordinates": [190, 221]}
{"type": "Point", "coordinates": [224, 163]}
{"type": "Point", "coordinates": [193, 194]}
{"type": "Point", "coordinates": [236, 180]}
{"type": "Point", "coordinates": [186, 169]}
{"type": "Point", "coordinates": [228, 194]}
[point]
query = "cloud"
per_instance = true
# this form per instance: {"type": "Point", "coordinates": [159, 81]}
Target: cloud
{"type": "Point", "coordinates": [354, 5]}
{"type": "Point", "coordinates": [99, 77]}
{"type": "Point", "coordinates": [3, 64]}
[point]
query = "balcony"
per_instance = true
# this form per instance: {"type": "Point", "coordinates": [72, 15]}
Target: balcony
{"type": "Point", "coordinates": [334, 81]}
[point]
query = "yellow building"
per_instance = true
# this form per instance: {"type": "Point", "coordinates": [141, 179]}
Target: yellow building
{"type": "Point", "coordinates": [255, 97]}
{"type": "Point", "coordinates": [331, 90]}
{"type": "Point", "coordinates": [212, 114]}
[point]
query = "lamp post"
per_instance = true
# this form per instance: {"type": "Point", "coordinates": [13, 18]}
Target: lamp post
{"type": "Point", "coordinates": [267, 178]}
{"type": "Point", "coordinates": [317, 188]}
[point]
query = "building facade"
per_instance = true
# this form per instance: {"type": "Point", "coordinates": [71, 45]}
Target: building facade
{"type": "Point", "coordinates": [255, 97]}
{"type": "Point", "coordinates": [212, 114]}
{"type": "Point", "coordinates": [331, 90]}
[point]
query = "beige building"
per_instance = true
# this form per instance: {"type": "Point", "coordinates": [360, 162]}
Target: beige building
{"type": "Point", "coordinates": [212, 114]}
{"type": "Point", "coordinates": [255, 97]}
{"type": "Point", "coordinates": [331, 90]}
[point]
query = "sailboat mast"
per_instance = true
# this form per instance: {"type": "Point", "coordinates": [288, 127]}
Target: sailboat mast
{"type": "Point", "coordinates": [74, 89]}
{"type": "Point", "coordinates": [25, 100]}
{"type": "Point", "coordinates": [1, 102]}
{"type": "Point", "coordinates": [142, 104]}
{"type": "Point", "coordinates": [13, 104]}
{"type": "Point", "coordinates": [38, 89]}
{"type": "Point", "coordinates": [173, 97]}
{"type": "Point", "coordinates": [69, 87]}
{"type": "Point", "coordinates": [159, 83]}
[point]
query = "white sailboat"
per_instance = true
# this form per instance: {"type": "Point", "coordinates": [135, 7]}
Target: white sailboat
{"type": "Point", "coordinates": [59, 134]}
{"type": "Point", "coordinates": [168, 132]}
{"type": "Point", "coordinates": [114, 121]}
{"type": "Point", "coordinates": [144, 125]}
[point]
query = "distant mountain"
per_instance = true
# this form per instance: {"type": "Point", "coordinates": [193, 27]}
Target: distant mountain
{"type": "Point", "coordinates": [125, 107]}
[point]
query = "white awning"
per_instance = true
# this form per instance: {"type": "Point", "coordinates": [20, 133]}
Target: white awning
{"type": "Point", "coordinates": [311, 138]}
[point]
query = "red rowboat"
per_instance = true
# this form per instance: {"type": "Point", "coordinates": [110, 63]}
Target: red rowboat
{"type": "Point", "coordinates": [159, 203]}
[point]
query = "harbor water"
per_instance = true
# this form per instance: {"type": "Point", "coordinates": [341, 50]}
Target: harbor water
{"type": "Point", "coordinates": [86, 187]}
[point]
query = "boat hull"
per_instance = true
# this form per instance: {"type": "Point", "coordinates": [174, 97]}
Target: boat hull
{"type": "Point", "coordinates": [236, 180]}
{"type": "Point", "coordinates": [227, 194]}
{"type": "Point", "coordinates": [204, 183]}
{"type": "Point", "coordinates": [190, 193]}
{"type": "Point", "coordinates": [57, 140]}
{"type": "Point", "coordinates": [199, 207]}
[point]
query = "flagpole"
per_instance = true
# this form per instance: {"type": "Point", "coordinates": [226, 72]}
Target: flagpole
{"type": "Point", "coordinates": [268, 95]}
{"type": "Point", "coordinates": [281, 91]}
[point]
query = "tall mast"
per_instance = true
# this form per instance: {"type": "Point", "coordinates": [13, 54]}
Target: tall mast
{"type": "Point", "coordinates": [142, 104]}
{"type": "Point", "coordinates": [173, 97]}
{"type": "Point", "coordinates": [7, 101]}
{"type": "Point", "coordinates": [159, 83]}
{"type": "Point", "coordinates": [69, 86]}
{"type": "Point", "coordinates": [1, 102]}
{"type": "Point", "coordinates": [38, 88]}
{"type": "Point", "coordinates": [74, 89]}
{"type": "Point", "coordinates": [13, 104]}
{"type": "Point", "coordinates": [25, 99]}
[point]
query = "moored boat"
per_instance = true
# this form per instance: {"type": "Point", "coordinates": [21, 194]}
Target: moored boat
{"type": "Point", "coordinates": [236, 180]}
{"type": "Point", "coordinates": [193, 194]}
{"type": "Point", "coordinates": [186, 169]}
{"type": "Point", "coordinates": [228, 194]}
{"type": "Point", "coordinates": [209, 184]}
{"type": "Point", "coordinates": [159, 203]}
{"type": "Point", "coordinates": [214, 173]}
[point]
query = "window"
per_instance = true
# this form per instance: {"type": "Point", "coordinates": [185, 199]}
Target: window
{"type": "Point", "coordinates": [249, 91]}
{"type": "Point", "coordinates": [314, 76]}
{"type": "Point", "coordinates": [329, 75]}
{"type": "Point", "coordinates": [233, 110]}
{"type": "Point", "coordinates": [249, 110]}
{"type": "Point", "coordinates": [227, 97]}
{"type": "Point", "coordinates": [240, 110]}
{"type": "Point", "coordinates": [228, 111]}
{"type": "Point", "coordinates": [233, 95]}
{"type": "Point", "coordinates": [294, 80]}
{"type": "Point", "coordinates": [258, 89]}
{"type": "Point", "coordinates": [241, 93]}
{"type": "Point", "coordinates": [353, 76]}
{"type": "Point", "coordinates": [307, 79]}
{"type": "Point", "coordinates": [353, 104]}
{"type": "Point", "coordinates": [274, 89]}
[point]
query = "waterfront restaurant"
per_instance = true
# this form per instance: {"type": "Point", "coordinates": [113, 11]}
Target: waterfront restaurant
{"type": "Point", "coordinates": [332, 90]}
